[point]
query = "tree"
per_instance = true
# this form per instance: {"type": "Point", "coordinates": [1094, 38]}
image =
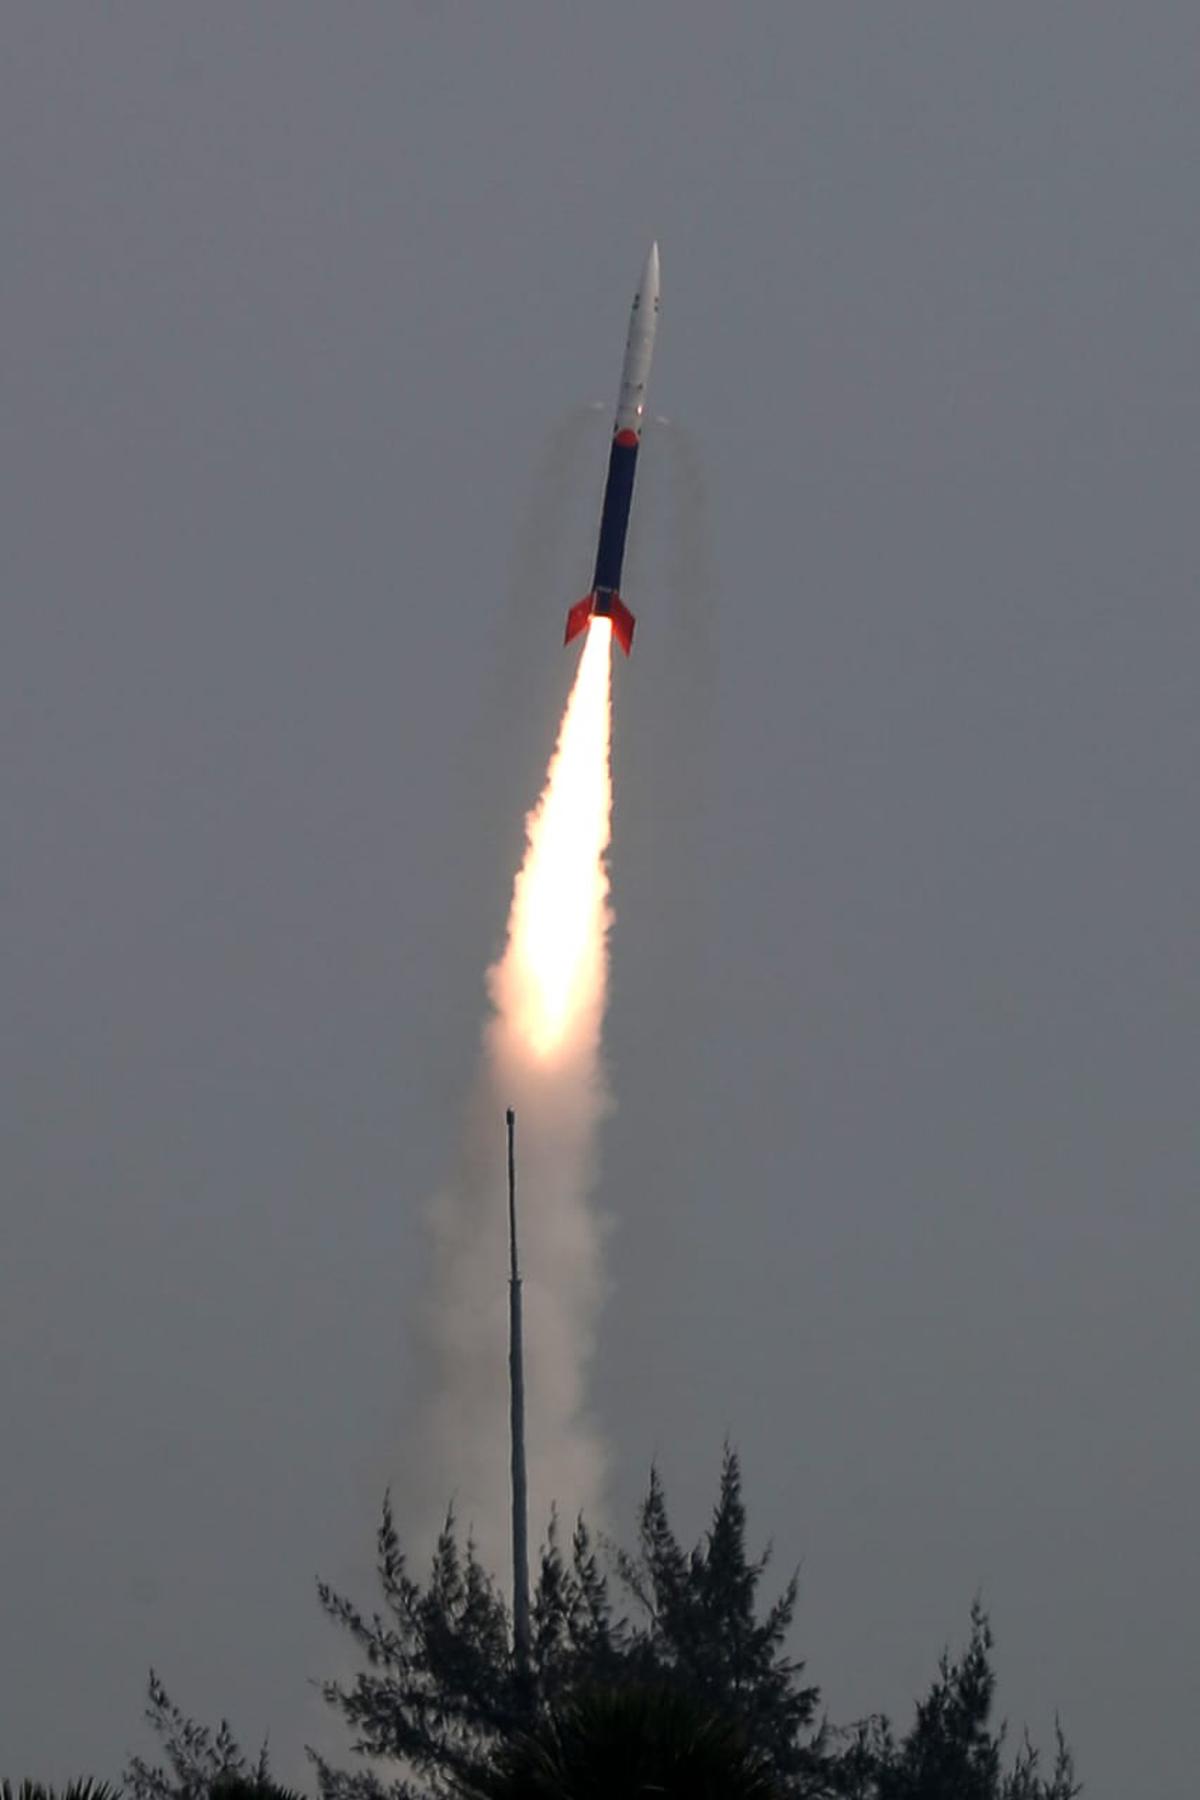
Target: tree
{"type": "Point", "coordinates": [201, 1764]}
{"type": "Point", "coordinates": [612, 1742]}
{"type": "Point", "coordinates": [951, 1751]}
{"type": "Point", "coordinates": [657, 1667]}
{"type": "Point", "coordinates": [84, 1789]}
{"type": "Point", "coordinates": [441, 1684]}
{"type": "Point", "coordinates": [703, 1634]}
{"type": "Point", "coordinates": [441, 1692]}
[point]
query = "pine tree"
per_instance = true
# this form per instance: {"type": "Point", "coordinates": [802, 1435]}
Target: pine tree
{"type": "Point", "coordinates": [199, 1762]}
{"type": "Point", "coordinates": [84, 1789]}
{"type": "Point", "coordinates": [441, 1692]}
{"type": "Point", "coordinates": [657, 1661]}
{"type": "Point", "coordinates": [704, 1633]}
{"type": "Point", "coordinates": [441, 1686]}
{"type": "Point", "coordinates": [603, 1744]}
{"type": "Point", "coordinates": [952, 1752]}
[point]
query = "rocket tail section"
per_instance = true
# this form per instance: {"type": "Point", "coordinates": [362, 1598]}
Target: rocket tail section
{"type": "Point", "coordinates": [602, 604]}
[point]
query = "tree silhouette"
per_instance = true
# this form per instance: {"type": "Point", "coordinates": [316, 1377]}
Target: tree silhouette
{"type": "Point", "coordinates": [441, 1691]}
{"type": "Point", "coordinates": [606, 1743]}
{"type": "Point", "coordinates": [659, 1666]}
{"type": "Point", "coordinates": [951, 1751]}
{"type": "Point", "coordinates": [83, 1789]}
{"type": "Point", "coordinates": [200, 1764]}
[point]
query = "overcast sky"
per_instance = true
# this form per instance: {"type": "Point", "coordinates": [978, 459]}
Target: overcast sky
{"type": "Point", "coordinates": [303, 307]}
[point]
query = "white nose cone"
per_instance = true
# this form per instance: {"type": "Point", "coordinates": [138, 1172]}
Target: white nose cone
{"type": "Point", "coordinates": [649, 290]}
{"type": "Point", "coordinates": [639, 348]}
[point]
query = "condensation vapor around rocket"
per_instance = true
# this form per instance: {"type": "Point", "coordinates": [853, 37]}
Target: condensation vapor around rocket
{"type": "Point", "coordinates": [541, 1055]}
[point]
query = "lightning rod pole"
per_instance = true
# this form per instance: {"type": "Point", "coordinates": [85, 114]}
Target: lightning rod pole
{"type": "Point", "coordinates": [516, 1375]}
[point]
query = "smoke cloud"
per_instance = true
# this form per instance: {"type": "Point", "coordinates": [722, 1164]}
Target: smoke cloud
{"type": "Point", "coordinates": [542, 1055]}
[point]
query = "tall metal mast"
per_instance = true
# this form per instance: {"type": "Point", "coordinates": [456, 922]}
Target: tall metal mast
{"type": "Point", "coordinates": [516, 1375]}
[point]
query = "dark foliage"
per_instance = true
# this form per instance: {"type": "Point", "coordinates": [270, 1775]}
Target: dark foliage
{"type": "Point", "coordinates": [200, 1764]}
{"type": "Point", "coordinates": [951, 1751]}
{"type": "Point", "coordinates": [628, 1741]}
{"type": "Point", "coordinates": [650, 1672]}
{"type": "Point", "coordinates": [703, 1634]}
{"type": "Point", "coordinates": [441, 1685]}
{"type": "Point", "coordinates": [84, 1789]}
{"type": "Point", "coordinates": [441, 1692]}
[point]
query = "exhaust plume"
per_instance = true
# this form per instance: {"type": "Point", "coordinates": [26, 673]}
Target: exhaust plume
{"type": "Point", "coordinates": [541, 1055]}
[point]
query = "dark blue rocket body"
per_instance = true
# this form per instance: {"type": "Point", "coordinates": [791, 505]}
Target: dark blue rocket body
{"type": "Point", "coordinates": [604, 601]}
{"type": "Point", "coordinates": [614, 516]}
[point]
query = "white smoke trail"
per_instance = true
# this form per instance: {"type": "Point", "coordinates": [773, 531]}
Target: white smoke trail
{"type": "Point", "coordinates": [541, 1055]}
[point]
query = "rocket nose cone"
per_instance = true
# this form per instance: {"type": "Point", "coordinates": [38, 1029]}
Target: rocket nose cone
{"type": "Point", "coordinates": [649, 282]}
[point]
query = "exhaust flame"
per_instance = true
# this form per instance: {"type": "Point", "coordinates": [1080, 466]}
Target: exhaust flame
{"type": "Point", "coordinates": [541, 1056]}
{"type": "Point", "coordinates": [550, 982]}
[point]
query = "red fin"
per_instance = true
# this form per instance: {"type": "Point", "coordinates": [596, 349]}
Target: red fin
{"type": "Point", "coordinates": [623, 623]}
{"type": "Point", "coordinates": [578, 616]}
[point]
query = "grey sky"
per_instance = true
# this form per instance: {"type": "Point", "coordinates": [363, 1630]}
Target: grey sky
{"type": "Point", "coordinates": [906, 1023]}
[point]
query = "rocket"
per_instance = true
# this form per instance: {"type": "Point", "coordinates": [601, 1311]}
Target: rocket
{"type": "Point", "coordinates": [604, 601]}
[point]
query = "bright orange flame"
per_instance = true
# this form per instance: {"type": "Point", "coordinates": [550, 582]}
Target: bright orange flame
{"type": "Point", "coordinates": [552, 974]}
